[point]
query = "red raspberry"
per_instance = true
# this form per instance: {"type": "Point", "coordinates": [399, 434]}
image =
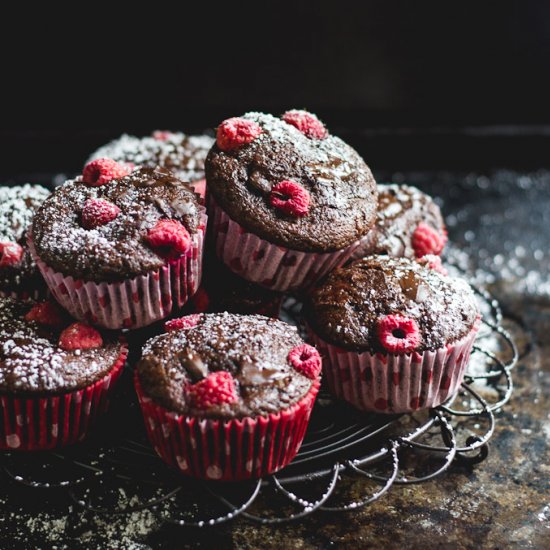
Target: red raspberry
{"type": "Point", "coordinates": [101, 171]}
{"type": "Point", "coordinates": [97, 212]}
{"type": "Point", "coordinates": [46, 313]}
{"type": "Point", "coordinates": [11, 254]}
{"type": "Point", "coordinates": [217, 388]}
{"type": "Point", "coordinates": [181, 323]}
{"type": "Point", "coordinates": [80, 336]}
{"type": "Point", "coordinates": [426, 240]}
{"type": "Point", "coordinates": [306, 359]}
{"type": "Point", "coordinates": [398, 334]}
{"type": "Point", "coordinates": [162, 135]}
{"type": "Point", "coordinates": [433, 262]}
{"type": "Point", "coordinates": [307, 123]}
{"type": "Point", "coordinates": [235, 132]}
{"type": "Point", "coordinates": [169, 239]}
{"type": "Point", "coordinates": [290, 197]}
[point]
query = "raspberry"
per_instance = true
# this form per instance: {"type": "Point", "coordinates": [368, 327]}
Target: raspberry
{"type": "Point", "coordinates": [398, 334]}
{"type": "Point", "coordinates": [181, 323]}
{"type": "Point", "coordinates": [433, 262]}
{"type": "Point", "coordinates": [169, 239]}
{"type": "Point", "coordinates": [307, 123]}
{"type": "Point", "coordinates": [306, 359]}
{"type": "Point", "coordinates": [46, 313]}
{"type": "Point", "coordinates": [80, 336]}
{"type": "Point", "coordinates": [10, 254]}
{"type": "Point", "coordinates": [101, 171]}
{"type": "Point", "coordinates": [162, 135]}
{"type": "Point", "coordinates": [426, 240]}
{"type": "Point", "coordinates": [235, 132]}
{"type": "Point", "coordinates": [97, 212]}
{"type": "Point", "coordinates": [216, 389]}
{"type": "Point", "coordinates": [290, 197]}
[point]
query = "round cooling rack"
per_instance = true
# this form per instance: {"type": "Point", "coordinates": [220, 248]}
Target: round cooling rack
{"type": "Point", "coordinates": [341, 445]}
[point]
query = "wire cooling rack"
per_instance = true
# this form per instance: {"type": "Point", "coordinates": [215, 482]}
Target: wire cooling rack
{"type": "Point", "coordinates": [341, 445]}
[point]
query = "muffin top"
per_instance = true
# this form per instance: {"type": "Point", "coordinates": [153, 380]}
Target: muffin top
{"type": "Point", "coordinates": [109, 231]}
{"type": "Point", "coordinates": [42, 353]}
{"type": "Point", "coordinates": [182, 154]}
{"type": "Point", "coordinates": [17, 207]}
{"type": "Point", "coordinates": [356, 306]}
{"type": "Point", "coordinates": [224, 365]}
{"type": "Point", "coordinates": [401, 208]}
{"type": "Point", "coordinates": [290, 182]}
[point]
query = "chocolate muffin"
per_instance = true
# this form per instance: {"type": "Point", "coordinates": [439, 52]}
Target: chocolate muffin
{"type": "Point", "coordinates": [57, 371]}
{"type": "Point", "coordinates": [285, 195]}
{"type": "Point", "coordinates": [124, 251]}
{"type": "Point", "coordinates": [401, 209]}
{"type": "Point", "coordinates": [396, 335]}
{"type": "Point", "coordinates": [182, 154]}
{"type": "Point", "coordinates": [346, 308]}
{"type": "Point", "coordinates": [247, 381]}
{"type": "Point", "coordinates": [19, 275]}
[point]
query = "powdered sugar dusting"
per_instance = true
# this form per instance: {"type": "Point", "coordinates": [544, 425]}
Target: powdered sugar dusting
{"type": "Point", "coordinates": [32, 360]}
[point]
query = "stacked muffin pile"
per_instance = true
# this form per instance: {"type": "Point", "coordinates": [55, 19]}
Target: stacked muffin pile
{"type": "Point", "coordinates": [226, 391]}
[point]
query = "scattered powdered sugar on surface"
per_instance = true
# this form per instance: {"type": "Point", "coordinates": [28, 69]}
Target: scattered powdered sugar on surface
{"type": "Point", "coordinates": [184, 154]}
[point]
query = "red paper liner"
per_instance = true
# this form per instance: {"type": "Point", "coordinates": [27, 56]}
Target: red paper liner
{"type": "Point", "coordinates": [41, 423]}
{"type": "Point", "coordinates": [135, 302]}
{"type": "Point", "coordinates": [395, 383]}
{"type": "Point", "coordinates": [267, 264]}
{"type": "Point", "coordinates": [36, 294]}
{"type": "Point", "coordinates": [227, 450]}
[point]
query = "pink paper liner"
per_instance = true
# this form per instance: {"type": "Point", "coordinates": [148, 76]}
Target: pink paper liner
{"type": "Point", "coordinates": [227, 450]}
{"type": "Point", "coordinates": [41, 423]}
{"type": "Point", "coordinates": [267, 264]}
{"type": "Point", "coordinates": [395, 383]}
{"type": "Point", "coordinates": [135, 302]}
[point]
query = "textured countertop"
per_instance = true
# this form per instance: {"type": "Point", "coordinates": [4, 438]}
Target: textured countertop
{"type": "Point", "coordinates": [500, 226]}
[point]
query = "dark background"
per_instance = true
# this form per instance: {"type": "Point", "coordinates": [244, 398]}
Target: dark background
{"type": "Point", "coordinates": [413, 85]}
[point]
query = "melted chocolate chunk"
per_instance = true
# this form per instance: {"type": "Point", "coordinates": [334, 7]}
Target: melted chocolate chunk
{"type": "Point", "coordinates": [343, 197]}
{"type": "Point", "coordinates": [345, 308]}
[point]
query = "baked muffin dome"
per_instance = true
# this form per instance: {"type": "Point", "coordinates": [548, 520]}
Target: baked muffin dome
{"type": "Point", "coordinates": [119, 249]}
{"type": "Point", "coordinates": [253, 349]}
{"type": "Point", "coordinates": [331, 177]}
{"type": "Point", "coordinates": [182, 154]}
{"type": "Point", "coordinates": [346, 308]}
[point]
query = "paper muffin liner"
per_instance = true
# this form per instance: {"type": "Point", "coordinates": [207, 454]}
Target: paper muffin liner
{"type": "Point", "coordinates": [267, 264]}
{"type": "Point", "coordinates": [395, 383]}
{"type": "Point", "coordinates": [41, 423]}
{"type": "Point", "coordinates": [227, 450]}
{"type": "Point", "coordinates": [199, 186]}
{"type": "Point", "coordinates": [132, 303]}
